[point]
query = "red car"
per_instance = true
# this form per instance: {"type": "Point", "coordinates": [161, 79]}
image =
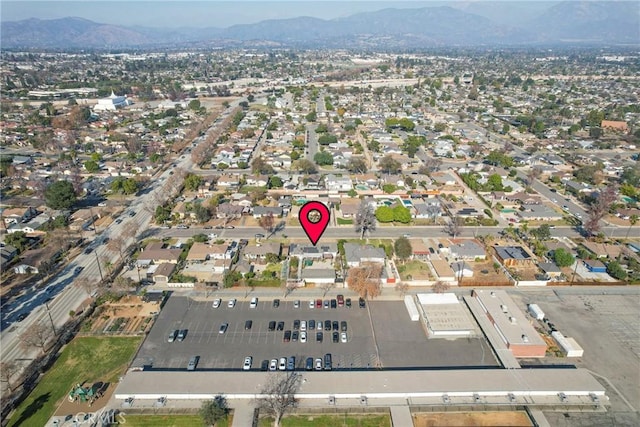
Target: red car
{"type": "Point", "coordinates": [318, 303]}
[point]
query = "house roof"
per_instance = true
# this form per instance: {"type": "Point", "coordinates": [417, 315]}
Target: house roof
{"type": "Point", "coordinates": [512, 252]}
{"type": "Point", "coordinates": [164, 269]}
{"type": "Point", "coordinates": [161, 254]}
{"type": "Point", "coordinates": [467, 249]}
{"type": "Point", "coordinates": [357, 253]}
{"type": "Point", "coordinates": [263, 249]}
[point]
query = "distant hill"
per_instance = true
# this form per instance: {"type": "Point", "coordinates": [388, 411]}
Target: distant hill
{"type": "Point", "coordinates": [466, 24]}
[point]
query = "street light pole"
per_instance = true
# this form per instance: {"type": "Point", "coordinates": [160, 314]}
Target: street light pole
{"type": "Point", "coordinates": [99, 269]}
{"type": "Point", "coordinates": [46, 304]}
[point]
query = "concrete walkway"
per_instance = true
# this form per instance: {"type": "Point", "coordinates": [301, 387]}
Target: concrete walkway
{"type": "Point", "coordinates": [401, 416]}
{"type": "Point", "coordinates": [242, 414]}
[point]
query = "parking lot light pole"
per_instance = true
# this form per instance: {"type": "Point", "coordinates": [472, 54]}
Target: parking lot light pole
{"type": "Point", "coordinates": [53, 326]}
{"type": "Point", "coordinates": [99, 268]}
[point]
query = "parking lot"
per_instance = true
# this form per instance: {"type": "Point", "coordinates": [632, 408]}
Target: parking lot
{"type": "Point", "coordinates": [387, 339]}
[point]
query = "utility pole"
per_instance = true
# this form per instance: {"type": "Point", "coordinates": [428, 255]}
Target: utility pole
{"type": "Point", "coordinates": [46, 304]}
{"type": "Point", "coordinates": [99, 268]}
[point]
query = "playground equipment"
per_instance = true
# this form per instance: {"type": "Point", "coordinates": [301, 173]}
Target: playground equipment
{"type": "Point", "coordinates": [82, 394]}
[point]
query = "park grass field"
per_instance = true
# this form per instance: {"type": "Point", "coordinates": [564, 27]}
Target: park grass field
{"type": "Point", "coordinates": [84, 360]}
{"type": "Point", "coordinates": [320, 420]}
{"type": "Point", "coordinates": [169, 421]}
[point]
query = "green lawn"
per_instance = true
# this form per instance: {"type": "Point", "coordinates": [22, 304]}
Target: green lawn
{"type": "Point", "coordinates": [320, 420]}
{"type": "Point", "coordinates": [168, 421]}
{"type": "Point", "coordinates": [343, 221]}
{"type": "Point", "coordinates": [416, 269]}
{"type": "Point", "coordinates": [84, 360]}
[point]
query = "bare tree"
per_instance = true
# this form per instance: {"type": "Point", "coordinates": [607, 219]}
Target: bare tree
{"type": "Point", "coordinates": [7, 371]}
{"type": "Point", "coordinates": [267, 222]}
{"type": "Point", "coordinates": [365, 220]}
{"type": "Point", "coordinates": [454, 226]}
{"type": "Point", "coordinates": [402, 287]}
{"type": "Point", "coordinates": [598, 209]}
{"type": "Point", "coordinates": [440, 287]}
{"type": "Point", "coordinates": [86, 284]}
{"type": "Point", "coordinates": [532, 175]}
{"type": "Point", "coordinates": [278, 395]}
{"type": "Point", "coordinates": [37, 335]}
{"type": "Point", "coordinates": [326, 287]}
{"type": "Point", "coordinates": [365, 280]}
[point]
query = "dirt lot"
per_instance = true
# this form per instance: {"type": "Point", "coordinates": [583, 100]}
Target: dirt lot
{"type": "Point", "coordinates": [449, 419]}
{"type": "Point", "coordinates": [129, 316]}
{"type": "Point", "coordinates": [484, 273]}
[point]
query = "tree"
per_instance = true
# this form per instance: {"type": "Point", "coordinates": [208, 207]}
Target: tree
{"type": "Point", "coordinates": [401, 214]}
{"type": "Point", "coordinates": [91, 166]}
{"type": "Point", "coordinates": [633, 219]}
{"type": "Point", "coordinates": [384, 214]}
{"type": "Point", "coordinates": [305, 166]}
{"type": "Point", "coordinates": [202, 213]}
{"type": "Point", "coordinates": [357, 165]}
{"type": "Point", "coordinates": [615, 270]}
{"type": "Point", "coordinates": [267, 222]}
{"type": "Point", "coordinates": [389, 188]}
{"type": "Point", "coordinates": [403, 248]}
{"type": "Point", "coordinates": [7, 371]}
{"type": "Point", "coordinates": [327, 138]}
{"type": "Point", "coordinates": [599, 208]}
{"type": "Point", "coordinates": [275, 182]}
{"type": "Point", "coordinates": [388, 164]}
{"type": "Point", "coordinates": [323, 158]}
{"type": "Point", "coordinates": [454, 226]}
{"type": "Point", "coordinates": [18, 240]}
{"type": "Point", "coordinates": [563, 258]}
{"type": "Point", "coordinates": [365, 280]}
{"type": "Point", "coordinates": [214, 410]}
{"type": "Point", "coordinates": [192, 182]}
{"type": "Point", "coordinates": [37, 335]}
{"type": "Point", "coordinates": [440, 287]}
{"type": "Point", "coordinates": [278, 395]}
{"type": "Point", "coordinates": [60, 195]}
{"type": "Point", "coordinates": [365, 220]}
{"type": "Point", "coordinates": [260, 167]}
{"type": "Point", "coordinates": [542, 233]}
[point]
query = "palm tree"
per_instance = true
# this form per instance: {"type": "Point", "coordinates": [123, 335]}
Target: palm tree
{"type": "Point", "coordinates": [633, 219]}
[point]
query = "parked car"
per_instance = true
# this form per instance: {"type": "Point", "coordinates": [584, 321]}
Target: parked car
{"type": "Point", "coordinates": [223, 328]}
{"type": "Point", "coordinates": [231, 303]}
{"type": "Point", "coordinates": [303, 325]}
{"type": "Point", "coordinates": [282, 364]}
{"type": "Point", "coordinates": [309, 364]}
{"type": "Point", "coordinates": [280, 326]}
{"type": "Point", "coordinates": [334, 303]}
{"type": "Point", "coordinates": [248, 324]}
{"type": "Point", "coordinates": [294, 336]}
{"type": "Point", "coordinates": [291, 363]}
{"type": "Point", "coordinates": [296, 324]}
{"type": "Point", "coordinates": [287, 336]}
{"type": "Point", "coordinates": [172, 335]}
{"type": "Point", "coordinates": [335, 337]}
{"type": "Point", "coordinates": [265, 365]}
{"type": "Point", "coordinates": [318, 364]}
{"type": "Point", "coordinates": [343, 337]}
{"type": "Point", "coordinates": [247, 363]}
{"type": "Point", "coordinates": [303, 337]}
{"type": "Point", "coordinates": [217, 302]}
{"type": "Point", "coordinates": [253, 303]}
{"type": "Point", "coordinates": [326, 303]}
{"type": "Point", "coordinates": [327, 362]}
{"type": "Point", "coordinates": [319, 336]}
{"type": "Point", "coordinates": [335, 325]}
{"type": "Point", "coordinates": [348, 302]}
{"type": "Point", "coordinates": [193, 362]}
{"type": "Point", "coordinates": [361, 303]}
{"type": "Point", "coordinates": [182, 335]}
{"type": "Point", "coordinates": [312, 324]}
{"type": "Point", "coordinates": [272, 325]}
{"type": "Point", "coordinates": [318, 303]}
{"type": "Point", "coordinates": [311, 305]}
{"type": "Point", "coordinates": [340, 300]}
{"type": "Point", "coordinates": [276, 303]}
{"type": "Point", "coordinates": [273, 365]}
{"type": "Point", "coordinates": [296, 304]}
{"type": "Point", "coordinates": [343, 326]}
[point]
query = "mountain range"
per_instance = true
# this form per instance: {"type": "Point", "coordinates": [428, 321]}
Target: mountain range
{"type": "Point", "coordinates": [459, 24]}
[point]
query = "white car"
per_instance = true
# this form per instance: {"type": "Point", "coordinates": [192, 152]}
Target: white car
{"type": "Point", "coordinates": [303, 336]}
{"type": "Point", "coordinates": [247, 363]}
{"type": "Point", "coordinates": [296, 304]}
{"type": "Point", "coordinates": [282, 364]}
{"type": "Point", "coordinates": [273, 365]}
{"type": "Point", "coordinates": [343, 337]}
{"type": "Point", "coordinates": [254, 302]}
{"type": "Point", "coordinates": [318, 364]}
{"type": "Point", "coordinates": [303, 325]}
{"type": "Point", "coordinates": [231, 303]}
{"type": "Point", "coordinates": [217, 302]}
{"type": "Point", "coordinates": [312, 304]}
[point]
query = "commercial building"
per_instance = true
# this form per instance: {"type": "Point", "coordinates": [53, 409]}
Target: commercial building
{"type": "Point", "coordinates": [511, 324]}
{"type": "Point", "coordinates": [445, 317]}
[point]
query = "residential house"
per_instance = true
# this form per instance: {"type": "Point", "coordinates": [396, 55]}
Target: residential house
{"type": "Point", "coordinates": [319, 252]}
{"type": "Point", "coordinates": [511, 256]}
{"type": "Point", "coordinates": [319, 275]}
{"type": "Point", "coordinates": [18, 215]}
{"type": "Point", "coordinates": [260, 211]}
{"type": "Point", "coordinates": [7, 254]}
{"type": "Point", "coordinates": [419, 249]}
{"type": "Point", "coordinates": [443, 270]}
{"type": "Point", "coordinates": [539, 213]}
{"type": "Point", "coordinates": [595, 266]}
{"type": "Point", "coordinates": [468, 250]}
{"type": "Point", "coordinates": [162, 273]}
{"type": "Point", "coordinates": [550, 269]}
{"type": "Point", "coordinates": [461, 269]}
{"type": "Point", "coordinates": [335, 183]}
{"type": "Point", "coordinates": [258, 253]}
{"type": "Point", "coordinates": [155, 253]}
{"type": "Point", "coordinates": [357, 254]}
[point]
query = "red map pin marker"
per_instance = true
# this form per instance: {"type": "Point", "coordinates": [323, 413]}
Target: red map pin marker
{"type": "Point", "coordinates": [314, 218]}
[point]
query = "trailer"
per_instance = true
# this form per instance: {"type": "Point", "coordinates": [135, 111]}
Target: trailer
{"type": "Point", "coordinates": [569, 346]}
{"type": "Point", "coordinates": [535, 311]}
{"type": "Point", "coordinates": [411, 308]}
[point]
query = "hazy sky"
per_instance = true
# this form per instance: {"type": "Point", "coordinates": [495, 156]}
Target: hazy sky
{"type": "Point", "coordinates": [204, 13]}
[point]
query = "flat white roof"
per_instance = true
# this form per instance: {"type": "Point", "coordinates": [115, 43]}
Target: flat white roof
{"type": "Point", "coordinates": [508, 319]}
{"type": "Point", "coordinates": [445, 315]}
